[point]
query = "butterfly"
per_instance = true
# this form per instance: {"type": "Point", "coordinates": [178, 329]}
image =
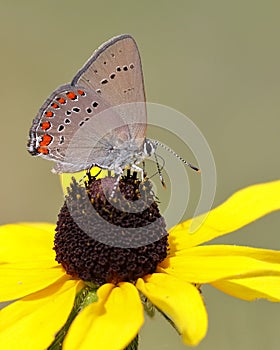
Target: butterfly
{"type": "Point", "coordinates": [100, 118]}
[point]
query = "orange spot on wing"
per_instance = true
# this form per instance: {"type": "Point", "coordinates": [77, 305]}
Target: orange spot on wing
{"type": "Point", "coordinates": [46, 140]}
{"type": "Point", "coordinates": [54, 105]}
{"type": "Point", "coordinates": [45, 125]}
{"type": "Point", "coordinates": [42, 150]}
{"type": "Point", "coordinates": [81, 92]}
{"type": "Point", "coordinates": [49, 114]}
{"type": "Point", "coordinates": [71, 95]}
{"type": "Point", "coordinates": [61, 100]}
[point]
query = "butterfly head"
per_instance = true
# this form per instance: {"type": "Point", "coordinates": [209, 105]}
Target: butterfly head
{"type": "Point", "coordinates": [149, 147]}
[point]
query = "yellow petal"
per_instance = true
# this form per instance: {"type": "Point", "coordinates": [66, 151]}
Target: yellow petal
{"type": "Point", "coordinates": [17, 281]}
{"type": "Point", "coordinates": [265, 287]}
{"type": "Point", "coordinates": [111, 323]}
{"type": "Point", "coordinates": [267, 255]}
{"type": "Point", "coordinates": [32, 322]}
{"type": "Point", "coordinates": [27, 242]}
{"type": "Point", "coordinates": [207, 269]}
{"type": "Point", "coordinates": [242, 208]}
{"type": "Point", "coordinates": [180, 301]}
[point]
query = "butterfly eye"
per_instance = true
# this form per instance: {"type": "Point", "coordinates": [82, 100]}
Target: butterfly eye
{"type": "Point", "coordinates": [149, 148]}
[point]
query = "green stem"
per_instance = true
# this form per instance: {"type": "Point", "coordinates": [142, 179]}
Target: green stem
{"type": "Point", "coordinates": [85, 297]}
{"type": "Point", "coordinates": [133, 345]}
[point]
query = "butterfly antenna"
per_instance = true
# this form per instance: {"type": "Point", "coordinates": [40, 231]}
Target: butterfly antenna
{"type": "Point", "coordinates": [177, 156]}
{"type": "Point", "coordinates": [161, 166]}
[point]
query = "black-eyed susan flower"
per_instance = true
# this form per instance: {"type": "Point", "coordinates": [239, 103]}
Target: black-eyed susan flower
{"type": "Point", "coordinates": [88, 293]}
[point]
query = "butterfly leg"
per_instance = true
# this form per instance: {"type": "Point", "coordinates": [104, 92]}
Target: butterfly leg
{"type": "Point", "coordinates": [86, 175]}
{"type": "Point", "coordinates": [139, 170]}
{"type": "Point", "coordinates": [144, 168]}
{"type": "Point", "coordinates": [119, 173]}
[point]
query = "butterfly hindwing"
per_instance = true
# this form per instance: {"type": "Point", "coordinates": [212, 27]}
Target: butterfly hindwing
{"type": "Point", "coordinates": [76, 128]}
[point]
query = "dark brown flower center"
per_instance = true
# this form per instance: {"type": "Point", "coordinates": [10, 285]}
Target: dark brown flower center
{"type": "Point", "coordinates": [103, 238]}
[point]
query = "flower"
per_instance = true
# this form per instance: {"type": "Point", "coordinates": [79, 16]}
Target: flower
{"type": "Point", "coordinates": [111, 318]}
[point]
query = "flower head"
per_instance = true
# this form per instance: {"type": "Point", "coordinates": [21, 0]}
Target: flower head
{"type": "Point", "coordinates": [99, 274]}
{"type": "Point", "coordinates": [109, 240]}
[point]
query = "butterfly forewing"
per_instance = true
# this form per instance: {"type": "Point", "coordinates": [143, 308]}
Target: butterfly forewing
{"type": "Point", "coordinates": [114, 72]}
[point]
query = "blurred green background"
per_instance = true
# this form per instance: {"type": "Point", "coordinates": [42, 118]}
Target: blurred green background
{"type": "Point", "coordinates": [215, 61]}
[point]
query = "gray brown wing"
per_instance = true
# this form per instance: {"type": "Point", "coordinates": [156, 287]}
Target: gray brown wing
{"type": "Point", "coordinates": [115, 72]}
{"type": "Point", "coordinates": [76, 128]}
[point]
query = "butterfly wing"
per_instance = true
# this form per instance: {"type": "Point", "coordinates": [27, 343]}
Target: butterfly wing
{"type": "Point", "coordinates": [115, 72]}
{"type": "Point", "coordinates": [77, 129]}
{"type": "Point", "coordinates": [81, 124]}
